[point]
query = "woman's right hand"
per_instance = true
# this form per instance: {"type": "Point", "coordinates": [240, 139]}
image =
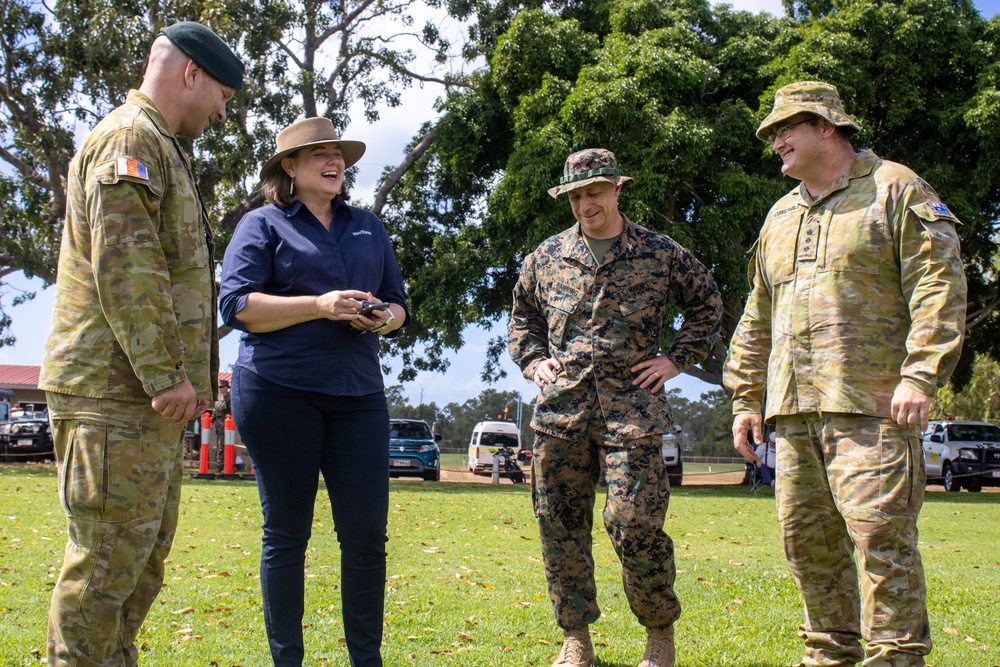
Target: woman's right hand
{"type": "Point", "coordinates": [341, 304]}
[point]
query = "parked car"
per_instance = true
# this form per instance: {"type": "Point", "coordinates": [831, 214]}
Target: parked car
{"type": "Point", "coordinates": [27, 438]}
{"type": "Point", "coordinates": [413, 451]}
{"type": "Point", "coordinates": [672, 459]}
{"type": "Point", "coordinates": [962, 453]}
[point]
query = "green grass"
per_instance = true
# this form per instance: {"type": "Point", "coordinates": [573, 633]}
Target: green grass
{"type": "Point", "coordinates": [466, 586]}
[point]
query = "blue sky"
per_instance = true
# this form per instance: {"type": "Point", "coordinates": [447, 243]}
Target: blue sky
{"type": "Point", "coordinates": [384, 139]}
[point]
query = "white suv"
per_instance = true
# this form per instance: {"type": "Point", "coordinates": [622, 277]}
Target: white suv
{"type": "Point", "coordinates": [962, 453]}
{"type": "Point", "coordinates": [672, 459]}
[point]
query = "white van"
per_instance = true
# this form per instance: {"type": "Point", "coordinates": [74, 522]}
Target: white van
{"type": "Point", "coordinates": [486, 437]}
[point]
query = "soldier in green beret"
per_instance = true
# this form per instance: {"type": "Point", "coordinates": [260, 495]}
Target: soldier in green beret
{"type": "Point", "coordinates": [133, 350]}
{"type": "Point", "coordinates": [589, 314]}
{"type": "Point", "coordinates": [855, 317]}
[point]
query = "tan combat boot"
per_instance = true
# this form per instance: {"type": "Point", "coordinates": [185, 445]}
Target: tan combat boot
{"type": "Point", "coordinates": [577, 651]}
{"type": "Point", "coordinates": [659, 648]}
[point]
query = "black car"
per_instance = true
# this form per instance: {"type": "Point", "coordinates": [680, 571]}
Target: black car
{"type": "Point", "coordinates": [27, 438]}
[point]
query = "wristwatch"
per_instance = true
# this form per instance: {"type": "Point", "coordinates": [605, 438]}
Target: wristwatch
{"type": "Point", "coordinates": [381, 329]}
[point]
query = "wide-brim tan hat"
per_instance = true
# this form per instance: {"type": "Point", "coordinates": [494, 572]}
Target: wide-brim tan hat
{"type": "Point", "coordinates": [815, 97]}
{"type": "Point", "coordinates": [310, 132]}
{"type": "Point", "coordinates": [587, 166]}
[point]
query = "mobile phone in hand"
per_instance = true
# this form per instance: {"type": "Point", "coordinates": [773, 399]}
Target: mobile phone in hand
{"type": "Point", "coordinates": [367, 307]}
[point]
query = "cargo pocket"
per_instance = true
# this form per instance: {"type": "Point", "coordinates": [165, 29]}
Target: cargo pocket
{"type": "Point", "coordinates": [83, 482]}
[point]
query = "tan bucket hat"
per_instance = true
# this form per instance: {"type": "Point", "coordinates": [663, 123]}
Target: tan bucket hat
{"type": "Point", "coordinates": [584, 167]}
{"type": "Point", "coordinates": [310, 132]}
{"type": "Point", "coordinates": [815, 97]}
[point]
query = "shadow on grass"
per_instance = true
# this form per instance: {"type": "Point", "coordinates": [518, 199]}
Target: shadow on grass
{"type": "Point", "coordinates": [681, 662]}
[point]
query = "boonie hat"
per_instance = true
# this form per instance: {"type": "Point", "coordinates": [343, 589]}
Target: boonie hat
{"type": "Point", "coordinates": [815, 97]}
{"type": "Point", "coordinates": [584, 167]}
{"type": "Point", "coordinates": [310, 132]}
{"type": "Point", "coordinates": [208, 50]}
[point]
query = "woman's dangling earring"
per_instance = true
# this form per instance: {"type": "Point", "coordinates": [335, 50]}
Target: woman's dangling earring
{"type": "Point", "coordinates": [291, 188]}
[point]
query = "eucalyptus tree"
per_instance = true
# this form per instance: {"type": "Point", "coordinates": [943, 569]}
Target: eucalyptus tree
{"type": "Point", "coordinates": [62, 69]}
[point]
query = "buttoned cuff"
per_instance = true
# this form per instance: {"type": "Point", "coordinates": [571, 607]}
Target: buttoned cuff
{"type": "Point", "coordinates": [161, 384]}
{"type": "Point", "coordinates": [744, 406]}
{"type": "Point", "coordinates": [925, 388]}
{"type": "Point", "coordinates": [529, 371]}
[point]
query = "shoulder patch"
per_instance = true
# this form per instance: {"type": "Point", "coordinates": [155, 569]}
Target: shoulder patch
{"type": "Point", "coordinates": [933, 211]}
{"type": "Point", "coordinates": [126, 166]}
{"type": "Point", "coordinates": [941, 209]}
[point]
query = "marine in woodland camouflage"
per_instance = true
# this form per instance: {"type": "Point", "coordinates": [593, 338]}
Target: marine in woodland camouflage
{"type": "Point", "coordinates": [600, 319]}
{"type": "Point", "coordinates": [135, 308]}
{"type": "Point", "coordinates": [852, 292]}
{"type": "Point", "coordinates": [564, 480]}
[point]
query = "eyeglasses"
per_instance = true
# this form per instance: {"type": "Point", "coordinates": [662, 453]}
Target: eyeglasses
{"type": "Point", "coordinates": [784, 131]}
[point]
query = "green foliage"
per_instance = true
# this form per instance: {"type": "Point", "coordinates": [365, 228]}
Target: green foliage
{"type": "Point", "coordinates": [706, 424]}
{"type": "Point", "coordinates": [466, 585]}
{"type": "Point", "coordinates": [676, 88]}
{"type": "Point", "coordinates": [64, 69]}
{"type": "Point", "coordinates": [977, 400]}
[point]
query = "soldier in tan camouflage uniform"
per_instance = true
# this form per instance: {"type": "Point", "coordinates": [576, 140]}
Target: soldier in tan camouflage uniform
{"type": "Point", "coordinates": [133, 350]}
{"type": "Point", "coordinates": [856, 315]}
{"type": "Point", "coordinates": [589, 314]}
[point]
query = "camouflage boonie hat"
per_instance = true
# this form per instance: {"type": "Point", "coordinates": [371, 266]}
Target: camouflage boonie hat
{"type": "Point", "coordinates": [587, 166]}
{"type": "Point", "coordinates": [815, 97]}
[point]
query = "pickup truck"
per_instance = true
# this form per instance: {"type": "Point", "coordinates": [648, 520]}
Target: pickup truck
{"type": "Point", "coordinates": [962, 453]}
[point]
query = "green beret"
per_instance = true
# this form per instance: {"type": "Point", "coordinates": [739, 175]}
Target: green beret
{"type": "Point", "coordinates": [208, 50]}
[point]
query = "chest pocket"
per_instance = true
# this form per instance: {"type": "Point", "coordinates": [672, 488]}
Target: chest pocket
{"type": "Point", "coordinates": [640, 302]}
{"type": "Point", "coordinates": [856, 241]}
{"type": "Point", "coordinates": [128, 203]}
{"type": "Point", "coordinates": [776, 247]}
{"type": "Point", "coordinates": [563, 301]}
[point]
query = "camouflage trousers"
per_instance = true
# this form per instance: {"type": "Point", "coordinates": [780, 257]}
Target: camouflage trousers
{"type": "Point", "coordinates": [564, 481]}
{"type": "Point", "coordinates": [849, 483]}
{"type": "Point", "coordinates": [120, 471]}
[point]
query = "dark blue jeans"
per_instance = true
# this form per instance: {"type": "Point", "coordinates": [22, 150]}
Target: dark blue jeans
{"type": "Point", "coordinates": [292, 436]}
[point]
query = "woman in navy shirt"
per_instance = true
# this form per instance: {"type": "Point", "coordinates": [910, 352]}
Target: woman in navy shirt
{"type": "Point", "coordinates": [307, 389]}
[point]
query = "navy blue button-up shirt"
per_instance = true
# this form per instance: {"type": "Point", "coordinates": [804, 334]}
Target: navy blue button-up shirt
{"type": "Point", "coordinates": [287, 252]}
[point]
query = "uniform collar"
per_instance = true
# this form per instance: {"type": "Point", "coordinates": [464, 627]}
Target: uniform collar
{"type": "Point", "coordinates": [575, 247]}
{"type": "Point", "coordinates": [142, 101]}
{"type": "Point", "coordinates": [860, 168]}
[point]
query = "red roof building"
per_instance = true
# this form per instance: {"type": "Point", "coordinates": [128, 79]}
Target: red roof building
{"type": "Point", "coordinates": [22, 381]}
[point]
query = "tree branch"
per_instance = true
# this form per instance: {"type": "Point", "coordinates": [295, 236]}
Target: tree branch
{"type": "Point", "coordinates": [393, 178]}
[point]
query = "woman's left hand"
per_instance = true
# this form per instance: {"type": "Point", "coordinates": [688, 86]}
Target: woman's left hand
{"type": "Point", "coordinates": [378, 318]}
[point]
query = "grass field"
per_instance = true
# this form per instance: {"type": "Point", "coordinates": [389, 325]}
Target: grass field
{"type": "Point", "coordinates": [466, 586]}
